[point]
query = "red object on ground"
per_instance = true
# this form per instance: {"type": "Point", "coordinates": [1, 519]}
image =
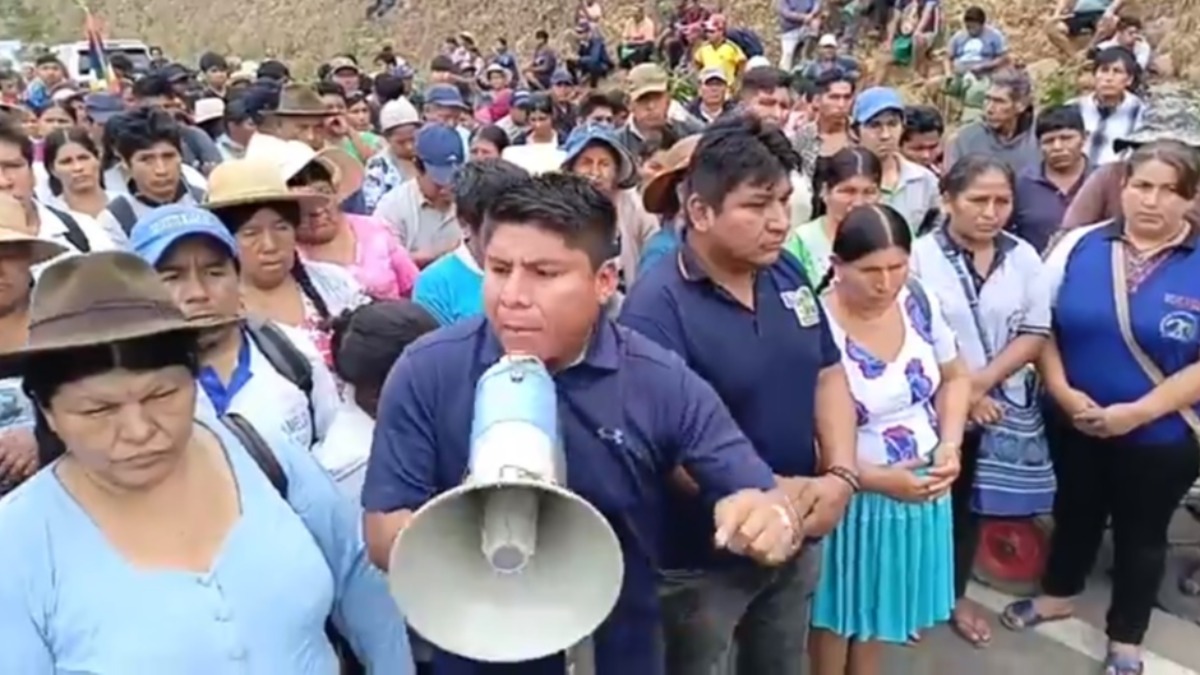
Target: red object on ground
{"type": "Point", "coordinates": [1012, 553]}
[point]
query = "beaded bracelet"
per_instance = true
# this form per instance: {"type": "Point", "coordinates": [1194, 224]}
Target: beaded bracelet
{"type": "Point", "coordinates": [846, 475]}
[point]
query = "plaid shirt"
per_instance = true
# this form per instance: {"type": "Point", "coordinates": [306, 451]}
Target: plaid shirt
{"type": "Point", "coordinates": [1105, 125]}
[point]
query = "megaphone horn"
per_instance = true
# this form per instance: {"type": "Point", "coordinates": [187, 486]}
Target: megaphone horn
{"type": "Point", "coordinates": [509, 566]}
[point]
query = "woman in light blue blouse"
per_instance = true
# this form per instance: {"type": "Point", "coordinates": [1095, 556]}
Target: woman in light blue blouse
{"type": "Point", "coordinates": [154, 543]}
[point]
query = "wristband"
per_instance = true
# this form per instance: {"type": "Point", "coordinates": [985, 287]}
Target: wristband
{"type": "Point", "coordinates": [850, 477]}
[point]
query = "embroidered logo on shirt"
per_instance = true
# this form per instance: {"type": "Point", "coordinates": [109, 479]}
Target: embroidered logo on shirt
{"type": "Point", "coordinates": [1178, 326]}
{"type": "Point", "coordinates": [803, 305]}
{"type": "Point", "coordinates": [1182, 302]}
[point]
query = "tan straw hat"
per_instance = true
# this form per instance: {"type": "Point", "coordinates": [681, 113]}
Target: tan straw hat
{"type": "Point", "coordinates": [98, 299]}
{"type": "Point", "coordinates": [14, 230]}
{"type": "Point", "coordinates": [658, 196]}
{"type": "Point", "coordinates": [239, 182]}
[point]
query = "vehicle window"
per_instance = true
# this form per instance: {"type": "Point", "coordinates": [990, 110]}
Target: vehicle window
{"type": "Point", "coordinates": [137, 55]}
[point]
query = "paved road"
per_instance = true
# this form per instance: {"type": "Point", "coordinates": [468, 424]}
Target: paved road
{"type": "Point", "coordinates": [1073, 647]}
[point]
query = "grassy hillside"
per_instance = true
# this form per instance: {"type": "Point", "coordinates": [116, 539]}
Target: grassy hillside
{"type": "Point", "coordinates": [306, 31]}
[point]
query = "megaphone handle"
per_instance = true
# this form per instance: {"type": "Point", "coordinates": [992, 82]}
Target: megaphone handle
{"type": "Point", "coordinates": [581, 659]}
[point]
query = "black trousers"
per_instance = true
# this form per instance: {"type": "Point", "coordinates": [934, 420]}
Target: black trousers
{"type": "Point", "coordinates": [966, 521]}
{"type": "Point", "coordinates": [1137, 488]}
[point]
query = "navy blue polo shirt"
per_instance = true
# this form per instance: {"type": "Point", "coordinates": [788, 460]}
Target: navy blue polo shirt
{"type": "Point", "coordinates": [1039, 206]}
{"type": "Point", "coordinates": [763, 363]}
{"type": "Point", "coordinates": [1164, 308]}
{"type": "Point", "coordinates": [663, 416]}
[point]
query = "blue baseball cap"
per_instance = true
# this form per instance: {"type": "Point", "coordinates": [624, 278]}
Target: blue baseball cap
{"type": "Point", "coordinates": [157, 231]}
{"type": "Point", "coordinates": [441, 151]}
{"type": "Point", "coordinates": [872, 102]}
{"type": "Point", "coordinates": [445, 95]}
{"type": "Point", "coordinates": [583, 137]}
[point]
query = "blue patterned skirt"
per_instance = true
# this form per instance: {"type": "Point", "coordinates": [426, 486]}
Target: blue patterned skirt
{"type": "Point", "coordinates": [888, 569]}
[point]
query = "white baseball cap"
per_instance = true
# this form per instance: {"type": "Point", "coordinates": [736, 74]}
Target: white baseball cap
{"type": "Point", "coordinates": [208, 109]}
{"type": "Point", "coordinates": [398, 113]}
{"type": "Point", "coordinates": [758, 62]}
{"type": "Point", "coordinates": [828, 40]}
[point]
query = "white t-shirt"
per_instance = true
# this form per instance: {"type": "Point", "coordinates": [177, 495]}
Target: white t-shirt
{"type": "Point", "coordinates": [53, 228]}
{"type": "Point", "coordinates": [273, 404]}
{"type": "Point", "coordinates": [346, 447]}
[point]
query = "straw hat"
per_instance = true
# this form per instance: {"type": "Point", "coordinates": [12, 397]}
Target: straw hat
{"type": "Point", "coordinates": [14, 230]}
{"type": "Point", "coordinates": [239, 182]}
{"type": "Point", "coordinates": [290, 157]}
{"type": "Point", "coordinates": [658, 196]}
{"type": "Point", "coordinates": [98, 299]}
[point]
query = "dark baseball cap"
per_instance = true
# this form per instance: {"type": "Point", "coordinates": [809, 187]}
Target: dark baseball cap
{"type": "Point", "coordinates": [103, 107]}
{"type": "Point", "coordinates": [441, 151]}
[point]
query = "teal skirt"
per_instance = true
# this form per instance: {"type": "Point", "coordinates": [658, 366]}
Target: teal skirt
{"type": "Point", "coordinates": [887, 571]}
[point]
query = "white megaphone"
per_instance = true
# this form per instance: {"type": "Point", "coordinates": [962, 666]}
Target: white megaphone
{"type": "Point", "coordinates": [509, 566]}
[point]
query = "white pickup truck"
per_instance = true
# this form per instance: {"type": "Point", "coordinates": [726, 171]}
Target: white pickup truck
{"type": "Point", "coordinates": [74, 55]}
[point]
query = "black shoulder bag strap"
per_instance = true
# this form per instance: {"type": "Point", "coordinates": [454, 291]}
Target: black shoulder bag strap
{"type": "Point", "coordinates": [265, 458]}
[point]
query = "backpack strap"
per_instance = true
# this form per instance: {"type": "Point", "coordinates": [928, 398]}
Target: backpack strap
{"type": "Point", "coordinates": [282, 354]}
{"type": "Point", "coordinates": [260, 451]}
{"type": "Point", "coordinates": [285, 358]}
{"type": "Point", "coordinates": [74, 234]}
{"type": "Point", "coordinates": [122, 210]}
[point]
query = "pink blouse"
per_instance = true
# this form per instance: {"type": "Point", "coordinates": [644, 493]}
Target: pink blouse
{"type": "Point", "coordinates": [381, 264]}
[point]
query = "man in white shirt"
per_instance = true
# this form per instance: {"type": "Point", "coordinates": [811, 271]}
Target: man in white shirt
{"type": "Point", "coordinates": [1129, 35]}
{"type": "Point", "coordinates": [268, 374]}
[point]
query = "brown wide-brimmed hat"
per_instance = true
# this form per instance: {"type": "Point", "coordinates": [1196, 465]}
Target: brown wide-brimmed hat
{"type": "Point", "coordinates": [658, 196]}
{"type": "Point", "coordinates": [298, 100]}
{"type": "Point", "coordinates": [99, 299]}
{"type": "Point", "coordinates": [14, 230]}
{"type": "Point", "coordinates": [240, 182]}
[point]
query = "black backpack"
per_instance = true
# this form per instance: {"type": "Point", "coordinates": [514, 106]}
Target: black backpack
{"type": "Point", "coordinates": [260, 451]}
{"type": "Point", "coordinates": [74, 234]}
{"type": "Point", "coordinates": [121, 207]}
{"type": "Point", "coordinates": [285, 358]}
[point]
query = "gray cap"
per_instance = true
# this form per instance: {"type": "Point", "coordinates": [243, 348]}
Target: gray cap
{"type": "Point", "coordinates": [1172, 114]}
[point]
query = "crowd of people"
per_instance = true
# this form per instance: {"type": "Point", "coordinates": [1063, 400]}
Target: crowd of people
{"type": "Point", "coordinates": [802, 342]}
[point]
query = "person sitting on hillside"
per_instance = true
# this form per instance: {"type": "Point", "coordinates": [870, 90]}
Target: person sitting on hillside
{"type": "Point", "coordinates": [637, 40]}
{"type": "Point", "coordinates": [1129, 35]}
{"type": "Point", "coordinates": [544, 63]}
{"type": "Point", "coordinates": [1074, 18]}
{"type": "Point", "coordinates": [717, 51]}
{"type": "Point", "coordinates": [912, 31]}
{"type": "Point", "coordinates": [828, 59]}
{"type": "Point", "coordinates": [974, 53]}
{"type": "Point", "coordinates": [593, 62]}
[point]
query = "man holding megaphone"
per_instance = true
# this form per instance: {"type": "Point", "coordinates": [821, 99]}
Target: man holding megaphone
{"type": "Point", "coordinates": [567, 428]}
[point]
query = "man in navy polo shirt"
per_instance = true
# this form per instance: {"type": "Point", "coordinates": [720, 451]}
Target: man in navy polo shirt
{"type": "Point", "coordinates": [632, 412]}
{"type": "Point", "coordinates": [745, 318]}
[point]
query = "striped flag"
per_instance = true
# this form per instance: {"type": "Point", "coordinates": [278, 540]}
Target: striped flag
{"type": "Point", "coordinates": [103, 76]}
